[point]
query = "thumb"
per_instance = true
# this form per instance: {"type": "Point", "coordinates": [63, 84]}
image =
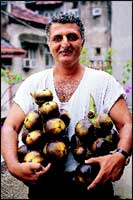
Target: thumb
{"type": "Point", "coordinates": [42, 170]}
{"type": "Point", "coordinates": [45, 169]}
{"type": "Point", "coordinates": [35, 166]}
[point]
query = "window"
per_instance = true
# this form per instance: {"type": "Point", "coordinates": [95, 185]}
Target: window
{"type": "Point", "coordinates": [74, 11]}
{"type": "Point", "coordinates": [30, 60]}
{"type": "Point", "coordinates": [48, 59]}
{"type": "Point", "coordinates": [96, 12]}
{"type": "Point", "coordinates": [91, 63]}
{"type": "Point", "coordinates": [31, 54]}
{"type": "Point", "coordinates": [97, 51]}
{"type": "Point", "coordinates": [6, 62]}
{"type": "Point", "coordinates": [75, 4]}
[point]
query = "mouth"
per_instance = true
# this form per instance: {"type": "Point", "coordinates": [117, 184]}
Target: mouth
{"type": "Point", "coordinates": [65, 52]}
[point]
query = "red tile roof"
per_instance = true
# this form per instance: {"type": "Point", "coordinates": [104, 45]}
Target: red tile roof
{"type": "Point", "coordinates": [9, 51]}
{"type": "Point", "coordinates": [29, 15]}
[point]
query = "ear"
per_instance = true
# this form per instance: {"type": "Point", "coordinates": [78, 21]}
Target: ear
{"type": "Point", "coordinates": [83, 41]}
{"type": "Point", "coordinates": [48, 43]}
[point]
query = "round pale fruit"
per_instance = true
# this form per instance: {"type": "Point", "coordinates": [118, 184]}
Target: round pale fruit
{"type": "Point", "coordinates": [75, 141]}
{"type": "Point", "coordinates": [101, 147]}
{"type": "Point", "coordinates": [79, 153]}
{"type": "Point", "coordinates": [38, 159]}
{"type": "Point", "coordinates": [55, 127]}
{"type": "Point", "coordinates": [79, 150]}
{"type": "Point", "coordinates": [24, 134]}
{"type": "Point", "coordinates": [49, 110]}
{"type": "Point", "coordinates": [33, 138]}
{"type": "Point", "coordinates": [84, 129]}
{"type": "Point", "coordinates": [55, 151]}
{"type": "Point", "coordinates": [32, 120]}
{"type": "Point", "coordinates": [22, 150]}
{"type": "Point", "coordinates": [113, 138]}
{"type": "Point", "coordinates": [42, 95]}
{"type": "Point", "coordinates": [34, 156]}
{"type": "Point", "coordinates": [86, 173]}
{"type": "Point", "coordinates": [105, 123]}
{"type": "Point", "coordinates": [64, 115]}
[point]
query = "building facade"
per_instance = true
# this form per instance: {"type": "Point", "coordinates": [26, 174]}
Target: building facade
{"type": "Point", "coordinates": [121, 32]}
{"type": "Point", "coordinates": [122, 44]}
{"type": "Point", "coordinates": [25, 28]}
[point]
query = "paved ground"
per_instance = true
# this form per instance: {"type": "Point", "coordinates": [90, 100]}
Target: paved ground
{"type": "Point", "coordinates": [11, 188]}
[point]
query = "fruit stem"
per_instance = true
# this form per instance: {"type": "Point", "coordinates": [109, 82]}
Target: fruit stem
{"type": "Point", "coordinates": [92, 108]}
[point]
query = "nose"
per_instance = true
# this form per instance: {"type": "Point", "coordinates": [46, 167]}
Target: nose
{"type": "Point", "coordinates": [65, 41]}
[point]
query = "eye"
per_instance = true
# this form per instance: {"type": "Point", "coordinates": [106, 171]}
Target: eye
{"type": "Point", "coordinates": [57, 38]}
{"type": "Point", "coordinates": [72, 37]}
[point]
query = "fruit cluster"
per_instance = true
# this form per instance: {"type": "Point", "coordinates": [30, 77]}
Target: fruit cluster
{"type": "Point", "coordinates": [45, 137]}
{"type": "Point", "coordinates": [44, 131]}
{"type": "Point", "coordinates": [94, 136]}
{"type": "Point", "coordinates": [93, 139]}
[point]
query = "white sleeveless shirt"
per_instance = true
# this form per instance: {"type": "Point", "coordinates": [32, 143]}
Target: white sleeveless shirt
{"type": "Point", "coordinates": [103, 87]}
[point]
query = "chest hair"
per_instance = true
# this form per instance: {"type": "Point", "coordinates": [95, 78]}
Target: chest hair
{"type": "Point", "coordinates": [65, 89]}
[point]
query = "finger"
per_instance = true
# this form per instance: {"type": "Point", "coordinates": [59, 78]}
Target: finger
{"type": "Point", "coordinates": [92, 160]}
{"type": "Point", "coordinates": [41, 170]}
{"type": "Point", "coordinates": [96, 181]}
{"type": "Point", "coordinates": [45, 169]}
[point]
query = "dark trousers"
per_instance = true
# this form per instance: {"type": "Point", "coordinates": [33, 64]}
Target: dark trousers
{"type": "Point", "coordinates": [62, 187]}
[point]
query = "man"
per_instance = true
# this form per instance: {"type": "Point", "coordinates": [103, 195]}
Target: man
{"type": "Point", "coordinates": [71, 84]}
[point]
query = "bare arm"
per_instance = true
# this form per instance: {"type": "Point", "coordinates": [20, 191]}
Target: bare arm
{"type": "Point", "coordinates": [9, 139]}
{"type": "Point", "coordinates": [9, 144]}
{"type": "Point", "coordinates": [112, 166]}
{"type": "Point", "coordinates": [122, 119]}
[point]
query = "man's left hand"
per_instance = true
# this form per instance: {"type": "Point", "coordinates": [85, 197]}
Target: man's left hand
{"type": "Point", "coordinates": [111, 168]}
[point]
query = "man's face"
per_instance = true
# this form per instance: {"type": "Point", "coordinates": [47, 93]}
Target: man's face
{"type": "Point", "coordinates": [65, 42]}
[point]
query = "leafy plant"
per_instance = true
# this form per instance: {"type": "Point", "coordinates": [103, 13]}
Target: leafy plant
{"type": "Point", "coordinates": [10, 77]}
{"type": "Point", "coordinates": [126, 70]}
{"type": "Point", "coordinates": [108, 60]}
{"type": "Point", "coordinates": [83, 57]}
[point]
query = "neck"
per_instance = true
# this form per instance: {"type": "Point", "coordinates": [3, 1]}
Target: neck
{"type": "Point", "coordinates": [68, 72]}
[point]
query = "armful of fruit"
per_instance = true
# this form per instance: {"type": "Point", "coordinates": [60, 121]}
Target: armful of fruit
{"type": "Point", "coordinates": [44, 137]}
{"type": "Point", "coordinates": [108, 148]}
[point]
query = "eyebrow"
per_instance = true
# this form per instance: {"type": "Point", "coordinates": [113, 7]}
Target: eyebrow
{"type": "Point", "coordinates": [71, 33]}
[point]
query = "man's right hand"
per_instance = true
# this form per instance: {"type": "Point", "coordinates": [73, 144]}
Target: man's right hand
{"type": "Point", "coordinates": [29, 172]}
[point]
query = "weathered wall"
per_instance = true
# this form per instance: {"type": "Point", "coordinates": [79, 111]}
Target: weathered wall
{"type": "Point", "coordinates": [123, 187]}
{"type": "Point", "coordinates": [122, 43]}
{"type": "Point", "coordinates": [97, 29]}
{"type": "Point", "coordinates": [122, 39]}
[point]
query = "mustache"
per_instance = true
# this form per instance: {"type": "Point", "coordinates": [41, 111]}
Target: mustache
{"type": "Point", "coordinates": [66, 49]}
